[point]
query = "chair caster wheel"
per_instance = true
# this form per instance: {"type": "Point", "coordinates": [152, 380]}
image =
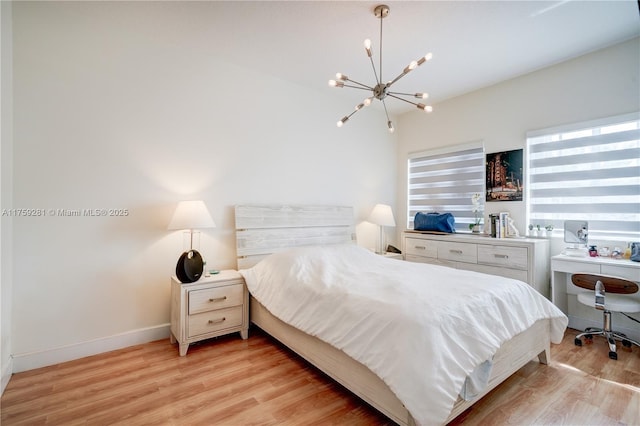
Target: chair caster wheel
{"type": "Point", "coordinates": [626, 343]}
{"type": "Point", "coordinates": [613, 355]}
{"type": "Point", "coordinates": [577, 342]}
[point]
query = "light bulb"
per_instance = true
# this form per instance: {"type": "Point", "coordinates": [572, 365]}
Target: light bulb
{"type": "Point", "coordinates": [421, 95]}
{"type": "Point", "coordinates": [426, 108]}
{"type": "Point", "coordinates": [390, 126]}
{"type": "Point", "coordinates": [341, 76]}
{"type": "Point", "coordinates": [332, 83]}
{"type": "Point", "coordinates": [341, 122]}
{"type": "Point", "coordinates": [425, 58]}
{"type": "Point", "coordinates": [367, 47]}
{"type": "Point", "coordinates": [359, 106]}
{"type": "Point", "coordinates": [410, 67]}
{"type": "Point", "coordinates": [367, 101]}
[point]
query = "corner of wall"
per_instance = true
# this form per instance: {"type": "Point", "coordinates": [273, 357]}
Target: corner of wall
{"type": "Point", "coordinates": [6, 194]}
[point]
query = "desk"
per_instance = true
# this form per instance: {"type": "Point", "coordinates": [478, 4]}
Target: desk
{"type": "Point", "coordinates": [563, 292]}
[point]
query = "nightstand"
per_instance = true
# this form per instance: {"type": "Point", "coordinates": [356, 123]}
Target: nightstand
{"type": "Point", "coordinates": [213, 306]}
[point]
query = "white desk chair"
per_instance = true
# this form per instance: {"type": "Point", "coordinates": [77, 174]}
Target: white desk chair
{"type": "Point", "coordinates": [608, 300]}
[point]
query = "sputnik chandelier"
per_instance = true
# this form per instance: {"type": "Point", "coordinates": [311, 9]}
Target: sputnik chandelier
{"type": "Point", "coordinates": [381, 90]}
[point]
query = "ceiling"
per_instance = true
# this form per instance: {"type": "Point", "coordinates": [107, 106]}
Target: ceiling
{"type": "Point", "coordinates": [474, 43]}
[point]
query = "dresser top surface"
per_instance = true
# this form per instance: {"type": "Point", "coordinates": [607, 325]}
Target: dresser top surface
{"type": "Point", "coordinates": [475, 238]}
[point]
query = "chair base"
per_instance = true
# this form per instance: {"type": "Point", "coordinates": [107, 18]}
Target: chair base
{"type": "Point", "coordinates": [611, 337]}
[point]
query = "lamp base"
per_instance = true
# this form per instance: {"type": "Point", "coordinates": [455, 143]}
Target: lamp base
{"type": "Point", "coordinates": [189, 267]}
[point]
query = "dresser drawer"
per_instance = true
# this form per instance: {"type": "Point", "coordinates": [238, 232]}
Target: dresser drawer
{"type": "Point", "coordinates": [209, 299]}
{"type": "Point", "coordinates": [418, 247]}
{"type": "Point", "coordinates": [510, 257]}
{"type": "Point", "coordinates": [430, 260]}
{"type": "Point", "coordinates": [632, 274]}
{"type": "Point", "coordinates": [459, 252]}
{"type": "Point", "coordinates": [209, 322]}
{"type": "Point", "coordinates": [516, 274]}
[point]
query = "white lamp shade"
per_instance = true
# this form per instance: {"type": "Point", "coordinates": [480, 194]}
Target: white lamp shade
{"type": "Point", "coordinates": [382, 215]}
{"type": "Point", "coordinates": [191, 215]}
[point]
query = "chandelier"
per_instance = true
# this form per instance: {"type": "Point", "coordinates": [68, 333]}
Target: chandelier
{"type": "Point", "coordinates": [381, 90]}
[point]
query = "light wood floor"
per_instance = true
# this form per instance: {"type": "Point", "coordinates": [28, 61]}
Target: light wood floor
{"type": "Point", "coordinates": [228, 381]}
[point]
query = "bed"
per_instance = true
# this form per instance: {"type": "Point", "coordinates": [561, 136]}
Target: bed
{"type": "Point", "coordinates": [270, 237]}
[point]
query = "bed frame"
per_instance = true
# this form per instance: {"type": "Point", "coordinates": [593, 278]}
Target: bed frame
{"type": "Point", "coordinates": [265, 229]}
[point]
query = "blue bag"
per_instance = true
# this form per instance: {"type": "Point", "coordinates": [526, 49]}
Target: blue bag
{"type": "Point", "coordinates": [439, 222]}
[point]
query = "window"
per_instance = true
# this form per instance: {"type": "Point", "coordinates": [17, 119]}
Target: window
{"type": "Point", "coordinates": [444, 181]}
{"type": "Point", "coordinates": [587, 171]}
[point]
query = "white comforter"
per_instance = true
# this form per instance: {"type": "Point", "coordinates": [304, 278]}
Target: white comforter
{"type": "Point", "coordinates": [421, 328]}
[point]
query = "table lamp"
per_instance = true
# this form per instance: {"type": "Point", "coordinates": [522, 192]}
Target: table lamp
{"type": "Point", "coordinates": [382, 216]}
{"type": "Point", "coordinates": [190, 215]}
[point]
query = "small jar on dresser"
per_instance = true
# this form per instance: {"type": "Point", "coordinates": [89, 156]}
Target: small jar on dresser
{"type": "Point", "coordinates": [213, 306]}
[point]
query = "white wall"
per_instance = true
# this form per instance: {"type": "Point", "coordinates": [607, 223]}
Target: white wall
{"type": "Point", "coordinates": [127, 106]}
{"type": "Point", "coordinates": [600, 84]}
{"type": "Point", "coordinates": [6, 192]}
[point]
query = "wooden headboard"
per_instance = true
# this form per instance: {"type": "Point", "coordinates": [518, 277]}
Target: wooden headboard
{"type": "Point", "coordinates": [265, 229]}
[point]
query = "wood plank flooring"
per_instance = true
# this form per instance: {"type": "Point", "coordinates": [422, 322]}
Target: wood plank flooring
{"type": "Point", "coordinates": [229, 381]}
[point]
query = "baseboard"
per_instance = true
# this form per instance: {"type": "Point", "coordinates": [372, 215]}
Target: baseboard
{"type": "Point", "coordinates": [578, 323]}
{"type": "Point", "coordinates": [31, 360]}
{"type": "Point", "coordinates": [7, 371]}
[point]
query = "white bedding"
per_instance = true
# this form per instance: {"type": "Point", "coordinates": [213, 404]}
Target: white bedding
{"type": "Point", "coordinates": [421, 328]}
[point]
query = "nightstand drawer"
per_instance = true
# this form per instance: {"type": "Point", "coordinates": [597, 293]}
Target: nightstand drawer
{"type": "Point", "coordinates": [460, 252]}
{"type": "Point", "coordinates": [209, 299]}
{"type": "Point", "coordinates": [209, 322]}
{"type": "Point", "coordinates": [418, 247]}
{"type": "Point", "coordinates": [511, 257]}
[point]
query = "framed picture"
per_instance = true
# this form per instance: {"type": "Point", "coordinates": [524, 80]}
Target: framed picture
{"type": "Point", "coordinates": [504, 176]}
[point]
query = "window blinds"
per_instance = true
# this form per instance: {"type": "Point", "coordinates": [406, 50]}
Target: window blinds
{"type": "Point", "coordinates": [444, 181]}
{"type": "Point", "coordinates": [587, 171]}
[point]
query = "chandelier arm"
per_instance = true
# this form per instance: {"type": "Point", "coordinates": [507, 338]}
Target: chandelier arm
{"type": "Point", "coordinates": [385, 109]}
{"type": "Point", "coordinates": [381, 17]}
{"type": "Point", "coordinates": [358, 87]}
{"type": "Point", "coordinates": [359, 84]}
{"type": "Point", "coordinates": [375, 74]}
{"type": "Point", "coordinates": [389, 123]}
{"type": "Point", "coordinates": [403, 94]}
{"type": "Point", "coordinates": [402, 74]}
{"type": "Point", "coordinates": [401, 99]}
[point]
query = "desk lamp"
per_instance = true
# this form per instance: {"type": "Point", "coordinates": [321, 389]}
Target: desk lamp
{"type": "Point", "coordinates": [382, 216]}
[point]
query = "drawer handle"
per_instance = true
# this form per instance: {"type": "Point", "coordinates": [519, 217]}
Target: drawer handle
{"type": "Point", "coordinates": [217, 321]}
{"type": "Point", "coordinates": [420, 247]}
{"type": "Point", "coordinates": [501, 256]}
{"type": "Point", "coordinates": [218, 299]}
{"type": "Point", "coordinates": [455, 251]}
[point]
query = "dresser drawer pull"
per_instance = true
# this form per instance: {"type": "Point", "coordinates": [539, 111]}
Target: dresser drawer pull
{"type": "Point", "coordinates": [217, 321]}
{"type": "Point", "coordinates": [218, 299]}
{"type": "Point", "coordinates": [455, 251]}
{"type": "Point", "coordinates": [501, 256]}
{"type": "Point", "coordinates": [420, 247]}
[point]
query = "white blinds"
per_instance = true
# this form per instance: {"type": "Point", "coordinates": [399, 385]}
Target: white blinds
{"type": "Point", "coordinates": [587, 171]}
{"type": "Point", "coordinates": [444, 181]}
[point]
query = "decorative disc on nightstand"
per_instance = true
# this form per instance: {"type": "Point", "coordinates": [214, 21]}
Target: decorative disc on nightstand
{"type": "Point", "coordinates": [189, 267]}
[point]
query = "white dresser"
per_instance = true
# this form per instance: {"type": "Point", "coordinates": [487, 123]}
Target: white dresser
{"type": "Point", "coordinates": [524, 259]}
